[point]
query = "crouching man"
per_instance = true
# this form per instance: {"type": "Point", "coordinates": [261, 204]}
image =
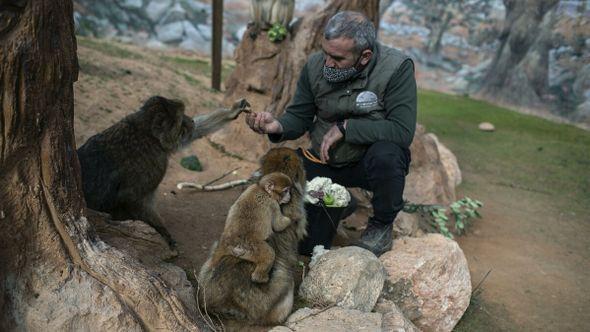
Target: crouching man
{"type": "Point", "coordinates": [357, 99]}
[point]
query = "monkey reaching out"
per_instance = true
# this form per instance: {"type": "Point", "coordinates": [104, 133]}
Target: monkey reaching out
{"type": "Point", "coordinates": [252, 219]}
{"type": "Point", "coordinates": [123, 165]}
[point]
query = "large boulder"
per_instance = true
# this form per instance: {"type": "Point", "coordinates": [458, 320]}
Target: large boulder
{"type": "Point", "coordinates": [157, 8]}
{"type": "Point", "coordinates": [349, 277]}
{"type": "Point", "coordinates": [428, 278]}
{"type": "Point", "coordinates": [335, 319]}
{"type": "Point", "coordinates": [428, 181]}
{"type": "Point", "coordinates": [171, 32]}
{"type": "Point", "coordinates": [449, 162]}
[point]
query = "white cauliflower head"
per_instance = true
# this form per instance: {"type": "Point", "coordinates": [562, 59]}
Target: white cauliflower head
{"type": "Point", "coordinates": [324, 185]}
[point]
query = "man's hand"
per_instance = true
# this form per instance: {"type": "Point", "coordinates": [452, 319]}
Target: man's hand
{"type": "Point", "coordinates": [332, 136]}
{"type": "Point", "coordinates": [263, 123]}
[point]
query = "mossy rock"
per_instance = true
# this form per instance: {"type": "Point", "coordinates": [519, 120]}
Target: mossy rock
{"type": "Point", "coordinates": [192, 163]}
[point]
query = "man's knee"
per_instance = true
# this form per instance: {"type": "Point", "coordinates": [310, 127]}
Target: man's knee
{"type": "Point", "coordinates": [387, 158]}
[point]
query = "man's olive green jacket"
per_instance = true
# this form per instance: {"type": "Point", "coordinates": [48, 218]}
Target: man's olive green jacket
{"type": "Point", "coordinates": [379, 103]}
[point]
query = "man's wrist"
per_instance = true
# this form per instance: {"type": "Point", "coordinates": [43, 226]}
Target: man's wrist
{"type": "Point", "coordinates": [279, 128]}
{"type": "Point", "coordinates": [341, 124]}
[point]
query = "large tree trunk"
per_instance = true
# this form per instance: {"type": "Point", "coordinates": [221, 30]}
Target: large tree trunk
{"type": "Point", "coordinates": [267, 72]}
{"type": "Point", "coordinates": [518, 73]}
{"type": "Point", "coordinates": [56, 273]}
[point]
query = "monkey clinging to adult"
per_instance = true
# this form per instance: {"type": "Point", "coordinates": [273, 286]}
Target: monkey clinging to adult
{"type": "Point", "coordinates": [227, 289]}
{"type": "Point", "coordinates": [251, 220]}
{"type": "Point", "coordinates": [123, 165]}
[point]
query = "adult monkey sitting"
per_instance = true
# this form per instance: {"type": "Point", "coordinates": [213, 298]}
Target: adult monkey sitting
{"type": "Point", "coordinates": [358, 100]}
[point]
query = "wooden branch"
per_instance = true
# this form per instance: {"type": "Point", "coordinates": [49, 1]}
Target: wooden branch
{"type": "Point", "coordinates": [221, 177]}
{"type": "Point", "coordinates": [222, 186]}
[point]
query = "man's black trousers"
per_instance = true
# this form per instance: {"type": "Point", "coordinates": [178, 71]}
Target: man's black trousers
{"type": "Point", "coordinates": [382, 170]}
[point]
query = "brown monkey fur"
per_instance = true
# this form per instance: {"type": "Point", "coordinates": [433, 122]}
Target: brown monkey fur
{"type": "Point", "coordinates": [251, 220]}
{"type": "Point", "coordinates": [286, 161]}
{"type": "Point", "coordinates": [123, 165]}
{"type": "Point", "coordinates": [227, 289]}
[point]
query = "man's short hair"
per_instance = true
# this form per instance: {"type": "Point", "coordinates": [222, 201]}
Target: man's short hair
{"type": "Point", "coordinates": [352, 25]}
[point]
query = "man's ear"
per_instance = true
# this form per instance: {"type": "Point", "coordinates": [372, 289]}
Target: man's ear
{"type": "Point", "coordinates": [366, 57]}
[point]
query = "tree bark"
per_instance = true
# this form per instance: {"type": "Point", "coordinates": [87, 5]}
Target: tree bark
{"type": "Point", "coordinates": [56, 273]}
{"type": "Point", "coordinates": [518, 73]}
{"type": "Point", "coordinates": [268, 72]}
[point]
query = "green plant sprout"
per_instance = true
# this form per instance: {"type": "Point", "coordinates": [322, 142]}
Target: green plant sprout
{"type": "Point", "coordinates": [461, 213]}
{"type": "Point", "coordinates": [277, 33]}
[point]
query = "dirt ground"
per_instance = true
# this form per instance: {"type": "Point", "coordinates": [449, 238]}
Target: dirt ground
{"type": "Point", "coordinates": [538, 255]}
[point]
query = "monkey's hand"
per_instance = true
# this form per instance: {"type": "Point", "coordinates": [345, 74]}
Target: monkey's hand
{"type": "Point", "coordinates": [241, 105]}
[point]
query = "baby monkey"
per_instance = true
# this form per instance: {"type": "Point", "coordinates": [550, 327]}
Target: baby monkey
{"type": "Point", "coordinates": [251, 220]}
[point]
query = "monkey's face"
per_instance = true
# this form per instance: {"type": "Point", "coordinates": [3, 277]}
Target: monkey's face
{"type": "Point", "coordinates": [285, 196]}
{"type": "Point", "coordinates": [284, 160]}
{"type": "Point", "coordinates": [278, 186]}
{"type": "Point", "coordinates": [168, 122]}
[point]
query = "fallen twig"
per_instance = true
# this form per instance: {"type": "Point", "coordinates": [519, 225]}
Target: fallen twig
{"type": "Point", "coordinates": [481, 282]}
{"type": "Point", "coordinates": [222, 186]}
{"type": "Point", "coordinates": [221, 177]}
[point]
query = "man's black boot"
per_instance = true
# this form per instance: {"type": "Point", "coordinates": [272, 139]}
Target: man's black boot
{"type": "Point", "coordinates": [377, 237]}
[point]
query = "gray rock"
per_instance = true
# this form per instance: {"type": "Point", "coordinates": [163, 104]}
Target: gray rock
{"type": "Point", "coordinates": [227, 49]}
{"type": "Point", "coordinates": [449, 162]}
{"type": "Point", "coordinates": [349, 277]}
{"type": "Point", "coordinates": [197, 6]}
{"type": "Point", "coordinates": [205, 30]}
{"type": "Point", "coordinates": [170, 33]}
{"type": "Point", "coordinates": [428, 278]}
{"type": "Point", "coordinates": [427, 182]}
{"type": "Point", "coordinates": [581, 85]}
{"type": "Point", "coordinates": [155, 44]}
{"type": "Point", "coordinates": [192, 33]}
{"type": "Point", "coordinates": [156, 9]}
{"type": "Point", "coordinates": [131, 4]}
{"type": "Point", "coordinates": [334, 319]}
{"type": "Point", "coordinates": [174, 14]}
{"type": "Point", "coordinates": [406, 224]}
{"type": "Point", "coordinates": [191, 45]}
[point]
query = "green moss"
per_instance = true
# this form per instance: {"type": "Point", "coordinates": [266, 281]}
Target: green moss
{"type": "Point", "coordinates": [524, 152]}
{"type": "Point", "coordinates": [192, 163]}
{"type": "Point", "coordinates": [221, 149]}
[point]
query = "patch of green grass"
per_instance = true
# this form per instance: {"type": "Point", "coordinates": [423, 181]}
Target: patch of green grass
{"type": "Point", "coordinates": [193, 64]}
{"type": "Point", "coordinates": [197, 66]}
{"type": "Point", "coordinates": [524, 152]}
{"type": "Point", "coordinates": [109, 48]}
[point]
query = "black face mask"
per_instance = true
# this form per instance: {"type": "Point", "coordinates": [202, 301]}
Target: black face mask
{"type": "Point", "coordinates": [337, 75]}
